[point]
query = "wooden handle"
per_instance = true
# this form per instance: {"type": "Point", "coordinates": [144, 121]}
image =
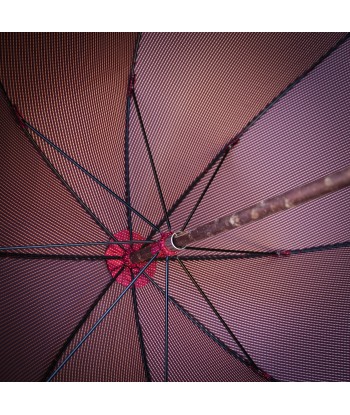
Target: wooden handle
{"type": "Point", "coordinates": [285, 201]}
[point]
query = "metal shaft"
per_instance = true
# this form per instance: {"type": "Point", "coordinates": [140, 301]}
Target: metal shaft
{"type": "Point", "coordinates": [288, 200]}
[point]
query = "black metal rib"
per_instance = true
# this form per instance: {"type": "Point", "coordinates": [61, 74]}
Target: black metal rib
{"type": "Point", "coordinates": [247, 127]}
{"type": "Point", "coordinates": [127, 155]}
{"type": "Point", "coordinates": [210, 304]}
{"type": "Point", "coordinates": [166, 337]}
{"type": "Point", "coordinates": [64, 257]}
{"type": "Point", "coordinates": [7, 248]}
{"type": "Point", "coordinates": [155, 174]}
{"type": "Point", "coordinates": [204, 329]}
{"type": "Point", "coordinates": [220, 257]}
{"type": "Point", "coordinates": [99, 321]}
{"type": "Point", "coordinates": [128, 211]}
{"type": "Point", "coordinates": [140, 336]}
{"type": "Point", "coordinates": [232, 251]}
{"type": "Point", "coordinates": [320, 248]}
{"type": "Point", "coordinates": [90, 175]}
{"type": "Point", "coordinates": [284, 252]}
{"type": "Point", "coordinates": [57, 174]}
{"type": "Point", "coordinates": [77, 328]}
{"type": "Point", "coordinates": [195, 207]}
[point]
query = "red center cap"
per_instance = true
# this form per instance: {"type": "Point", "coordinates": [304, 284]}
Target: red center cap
{"type": "Point", "coordinates": [130, 269]}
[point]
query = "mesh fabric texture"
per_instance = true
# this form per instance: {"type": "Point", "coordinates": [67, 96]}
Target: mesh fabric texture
{"type": "Point", "coordinates": [195, 93]}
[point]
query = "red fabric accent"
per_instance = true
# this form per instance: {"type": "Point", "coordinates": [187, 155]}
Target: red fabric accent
{"type": "Point", "coordinates": [232, 143]}
{"type": "Point", "coordinates": [125, 250]}
{"type": "Point", "coordinates": [19, 117]}
{"type": "Point", "coordinates": [131, 85]}
{"type": "Point", "coordinates": [283, 252]}
{"type": "Point", "coordinates": [160, 246]}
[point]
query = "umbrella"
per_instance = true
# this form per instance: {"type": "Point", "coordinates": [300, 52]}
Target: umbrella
{"type": "Point", "coordinates": [117, 153]}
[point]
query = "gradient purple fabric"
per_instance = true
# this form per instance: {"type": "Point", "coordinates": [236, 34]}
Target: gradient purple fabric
{"type": "Point", "coordinates": [195, 92]}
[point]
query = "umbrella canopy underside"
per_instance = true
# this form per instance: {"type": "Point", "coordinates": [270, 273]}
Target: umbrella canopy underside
{"type": "Point", "coordinates": [115, 103]}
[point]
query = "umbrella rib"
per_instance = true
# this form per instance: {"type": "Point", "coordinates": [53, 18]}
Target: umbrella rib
{"type": "Point", "coordinates": [65, 245]}
{"type": "Point", "coordinates": [65, 257]}
{"type": "Point", "coordinates": [245, 129]}
{"type": "Point", "coordinates": [128, 200]}
{"type": "Point", "coordinates": [127, 157]}
{"type": "Point", "coordinates": [140, 336]}
{"type": "Point", "coordinates": [210, 304]}
{"type": "Point", "coordinates": [319, 248]}
{"type": "Point", "coordinates": [87, 173]}
{"type": "Point", "coordinates": [286, 252]}
{"type": "Point", "coordinates": [127, 166]}
{"type": "Point", "coordinates": [166, 336]}
{"type": "Point", "coordinates": [195, 207]}
{"type": "Point", "coordinates": [233, 251]}
{"type": "Point", "coordinates": [78, 327]}
{"type": "Point", "coordinates": [153, 166]}
{"type": "Point", "coordinates": [58, 175]}
{"type": "Point", "coordinates": [203, 328]}
{"type": "Point", "coordinates": [131, 81]}
{"type": "Point", "coordinates": [99, 321]}
{"type": "Point", "coordinates": [223, 257]}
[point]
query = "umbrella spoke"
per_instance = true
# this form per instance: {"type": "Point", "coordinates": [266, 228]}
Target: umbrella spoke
{"type": "Point", "coordinates": [140, 335]}
{"type": "Point", "coordinates": [8, 248]}
{"type": "Point", "coordinates": [166, 341]}
{"type": "Point", "coordinates": [127, 166]}
{"type": "Point", "coordinates": [86, 172]}
{"type": "Point", "coordinates": [284, 252]}
{"type": "Point", "coordinates": [99, 321]}
{"type": "Point", "coordinates": [222, 257]}
{"type": "Point", "coordinates": [75, 195]}
{"type": "Point", "coordinates": [233, 251]}
{"type": "Point", "coordinates": [195, 207]}
{"type": "Point", "coordinates": [58, 256]}
{"type": "Point", "coordinates": [155, 174]}
{"type": "Point", "coordinates": [202, 327]}
{"type": "Point", "coordinates": [131, 82]}
{"type": "Point", "coordinates": [210, 304]}
{"type": "Point", "coordinates": [127, 161]}
{"type": "Point", "coordinates": [78, 326]}
{"type": "Point", "coordinates": [318, 248]}
{"type": "Point", "coordinates": [128, 200]}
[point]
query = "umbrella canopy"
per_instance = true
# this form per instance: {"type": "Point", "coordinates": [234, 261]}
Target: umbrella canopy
{"type": "Point", "coordinates": [123, 137]}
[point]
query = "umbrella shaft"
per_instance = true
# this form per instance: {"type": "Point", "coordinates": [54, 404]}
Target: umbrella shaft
{"type": "Point", "coordinates": [285, 201]}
